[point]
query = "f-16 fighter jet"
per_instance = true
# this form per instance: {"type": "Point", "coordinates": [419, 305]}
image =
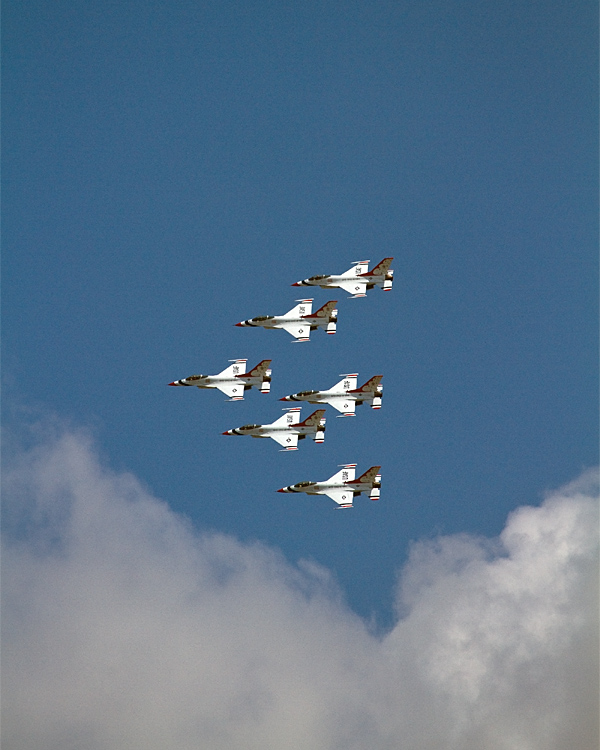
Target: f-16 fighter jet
{"type": "Point", "coordinates": [342, 487]}
{"type": "Point", "coordinates": [288, 429]}
{"type": "Point", "coordinates": [356, 280]}
{"type": "Point", "coordinates": [234, 380]}
{"type": "Point", "coordinates": [344, 396]}
{"type": "Point", "coordinates": [300, 320]}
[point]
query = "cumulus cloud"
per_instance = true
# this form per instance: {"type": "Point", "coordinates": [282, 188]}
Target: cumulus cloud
{"type": "Point", "coordinates": [125, 628]}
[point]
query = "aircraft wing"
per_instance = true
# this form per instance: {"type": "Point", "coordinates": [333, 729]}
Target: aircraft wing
{"type": "Point", "coordinates": [353, 286]}
{"type": "Point", "coordinates": [345, 405]}
{"type": "Point", "coordinates": [287, 439]}
{"type": "Point", "coordinates": [300, 331]}
{"type": "Point", "coordinates": [233, 390]}
{"type": "Point", "coordinates": [342, 497]}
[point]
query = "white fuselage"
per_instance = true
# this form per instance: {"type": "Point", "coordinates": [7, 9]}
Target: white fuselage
{"type": "Point", "coordinates": [323, 487]}
{"type": "Point", "coordinates": [357, 283]}
{"type": "Point", "coordinates": [265, 431]}
{"type": "Point", "coordinates": [343, 487]}
{"type": "Point", "coordinates": [287, 430]}
{"type": "Point", "coordinates": [332, 282]}
{"type": "Point", "coordinates": [277, 322]}
{"type": "Point", "coordinates": [344, 400]}
{"type": "Point", "coordinates": [323, 397]}
{"type": "Point", "coordinates": [214, 381]}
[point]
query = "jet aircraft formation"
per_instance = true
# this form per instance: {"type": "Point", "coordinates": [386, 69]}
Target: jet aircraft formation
{"type": "Point", "coordinates": [344, 396]}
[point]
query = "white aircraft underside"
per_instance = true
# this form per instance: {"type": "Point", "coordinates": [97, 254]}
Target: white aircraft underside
{"type": "Point", "coordinates": [344, 396]}
{"type": "Point", "coordinates": [342, 487]}
{"type": "Point", "coordinates": [357, 280]}
{"type": "Point", "coordinates": [299, 321]}
{"type": "Point", "coordinates": [233, 380]}
{"type": "Point", "coordinates": [288, 429]}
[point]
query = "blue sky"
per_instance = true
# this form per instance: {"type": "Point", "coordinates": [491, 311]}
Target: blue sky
{"type": "Point", "coordinates": [170, 169]}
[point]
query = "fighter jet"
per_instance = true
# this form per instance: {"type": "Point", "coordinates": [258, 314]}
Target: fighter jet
{"type": "Point", "coordinates": [342, 487]}
{"type": "Point", "coordinates": [356, 280]}
{"type": "Point", "coordinates": [344, 396]}
{"type": "Point", "coordinates": [300, 320]}
{"type": "Point", "coordinates": [288, 429]}
{"type": "Point", "coordinates": [234, 380]}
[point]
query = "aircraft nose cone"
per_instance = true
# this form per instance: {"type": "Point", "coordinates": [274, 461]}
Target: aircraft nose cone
{"type": "Point", "coordinates": [285, 398]}
{"type": "Point", "coordinates": [296, 283]}
{"type": "Point", "coordinates": [173, 383]}
{"type": "Point", "coordinates": [281, 490]}
{"type": "Point", "coordinates": [238, 324]}
{"type": "Point", "coordinates": [227, 432]}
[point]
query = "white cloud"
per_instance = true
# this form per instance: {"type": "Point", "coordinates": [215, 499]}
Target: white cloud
{"type": "Point", "coordinates": [123, 629]}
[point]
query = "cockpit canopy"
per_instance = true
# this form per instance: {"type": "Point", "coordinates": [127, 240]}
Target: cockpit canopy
{"type": "Point", "coordinates": [307, 393]}
{"type": "Point", "coordinates": [196, 377]}
{"type": "Point", "coordinates": [249, 427]}
{"type": "Point", "coordinates": [304, 484]}
{"type": "Point", "coordinates": [261, 318]}
{"type": "Point", "coordinates": [317, 278]}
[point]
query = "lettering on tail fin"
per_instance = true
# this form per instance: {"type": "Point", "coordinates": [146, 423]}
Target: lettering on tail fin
{"type": "Point", "coordinates": [369, 476]}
